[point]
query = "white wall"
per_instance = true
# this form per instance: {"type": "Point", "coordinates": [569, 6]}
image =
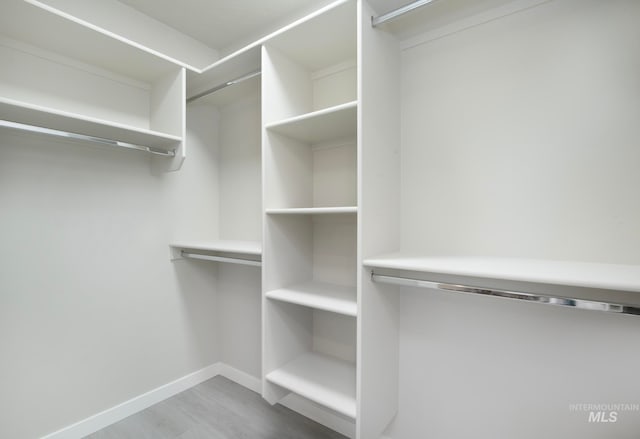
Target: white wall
{"type": "Point", "coordinates": [520, 139]}
{"type": "Point", "coordinates": [519, 136]}
{"type": "Point", "coordinates": [490, 368]}
{"type": "Point", "coordinates": [240, 178]}
{"type": "Point", "coordinates": [92, 311]}
{"type": "Point", "coordinates": [238, 287]}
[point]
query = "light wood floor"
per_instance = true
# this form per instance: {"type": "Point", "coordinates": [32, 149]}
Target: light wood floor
{"type": "Point", "coordinates": [216, 409]}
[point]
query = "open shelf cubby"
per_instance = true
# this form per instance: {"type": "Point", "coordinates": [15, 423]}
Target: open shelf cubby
{"type": "Point", "coordinates": [315, 356]}
{"type": "Point", "coordinates": [322, 379]}
{"type": "Point", "coordinates": [321, 177]}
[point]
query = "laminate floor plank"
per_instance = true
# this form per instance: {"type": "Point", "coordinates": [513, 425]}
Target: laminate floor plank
{"type": "Point", "coordinates": [216, 409]}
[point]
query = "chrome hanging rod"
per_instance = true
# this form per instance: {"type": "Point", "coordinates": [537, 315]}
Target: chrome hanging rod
{"type": "Point", "coordinates": [376, 21]}
{"type": "Point", "coordinates": [225, 85]}
{"type": "Point", "coordinates": [517, 295]}
{"type": "Point", "coordinates": [241, 261]}
{"type": "Point", "coordinates": [85, 138]}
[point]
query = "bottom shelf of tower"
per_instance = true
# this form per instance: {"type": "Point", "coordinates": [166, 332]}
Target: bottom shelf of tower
{"type": "Point", "coordinates": [322, 379]}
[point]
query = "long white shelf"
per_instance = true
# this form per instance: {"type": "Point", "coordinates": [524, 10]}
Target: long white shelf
{"type": "Point", "coordinates": [29, 114]}
{"type": "Point", "coordinates": [321, 379]}
{"type": "Point", "coordinates": [566, 273]}
{"type": "Point", "coordinates": [226, 246]}
{"type": "Point", "coordinates": [313, 210]}
{"type": "Point", "coordinates": [320, 126]}
{"type": "Point", "coordinates": [233, 252]}
{"type": "Point", "coordinates": [319, 295]}
{"type": "Point", "coordinates": [35, 23]}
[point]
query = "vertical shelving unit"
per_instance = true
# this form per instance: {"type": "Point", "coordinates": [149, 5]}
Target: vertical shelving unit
{"type": "Point", "coordinates": [310, 161]}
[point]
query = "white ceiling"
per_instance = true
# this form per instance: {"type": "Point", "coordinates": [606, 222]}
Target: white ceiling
{"type": "Point", "coordinates": [223, 23]}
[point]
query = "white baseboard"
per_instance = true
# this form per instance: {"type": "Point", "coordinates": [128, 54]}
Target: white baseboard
{"type": "Point", "coordinates": [134, 405]}
{"type": "Point", "coordinates": [240, 377]}
{"type": "Point", "coordinates": [117, 413]}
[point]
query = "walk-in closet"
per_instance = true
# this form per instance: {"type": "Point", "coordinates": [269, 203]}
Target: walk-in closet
{"type": "Point", "coordinates": [372, 219]}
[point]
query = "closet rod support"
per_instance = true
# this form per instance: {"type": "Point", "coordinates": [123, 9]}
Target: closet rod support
{"type": "Point", "coordinates": [214, 258]}
{"type": "Point", "coordinates": [225, 85]}
{"type": "Point", "coordinates": [85, 138]}
{"type": "Point", "coordinates": [591, 305]}
{"type": "Point", "coordinates": [376, 21]}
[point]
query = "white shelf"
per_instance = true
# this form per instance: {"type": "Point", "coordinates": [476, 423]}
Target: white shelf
{"type": "Point", "coordinates": [320, 126]}
{"type": "Point", "coordinates": [240, 247]}
{"type": "Point", "coordinates": [230, 67]}
{"type": "Point", "coordinates": [61, 33]}
{"type": "Point", "coordinates": [313, 211]}
{"type": "Point", "coordinates": [566, 273]}
{"type": "Point", "coordinates": [29, 114]}
{"type": "Point", "coordinates": [319, 295]}
{"type": "Point", "coordinates": [324, 380]}
{"type": "Point", "coordinates": [232, 252]}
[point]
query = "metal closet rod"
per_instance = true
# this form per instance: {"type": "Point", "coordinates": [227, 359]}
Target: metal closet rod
{"type": "Point", "coordinates": [225, 85]}
{"type": "Point", "coordinates": [376, 21]}
{"type": "Point", "coordinates": [241, 261]}
{"type": "Point", "coordinates": [85, 138]}
{"type": "Point", "coordinates": [591, 305]}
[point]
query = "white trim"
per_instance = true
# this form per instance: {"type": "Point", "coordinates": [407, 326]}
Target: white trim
{"type": "Point", "coordinates": [240, 377]}
{"type": "Point", "coordinates": [117, 413]}
{"type": "Point", "coordinates": [135, 405]}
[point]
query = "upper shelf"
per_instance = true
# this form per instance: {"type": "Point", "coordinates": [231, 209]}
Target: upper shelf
{"type": "Point", "coordinates": [320, 126]}
{"type": "Point", "coordinates": [47, 28]}
{"type": "Point", "coordinates": [564, 273]}
{"type": "Point", "coordinates": [134, 27]}
{"type": "Point", "coordinates": [36, 115]}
